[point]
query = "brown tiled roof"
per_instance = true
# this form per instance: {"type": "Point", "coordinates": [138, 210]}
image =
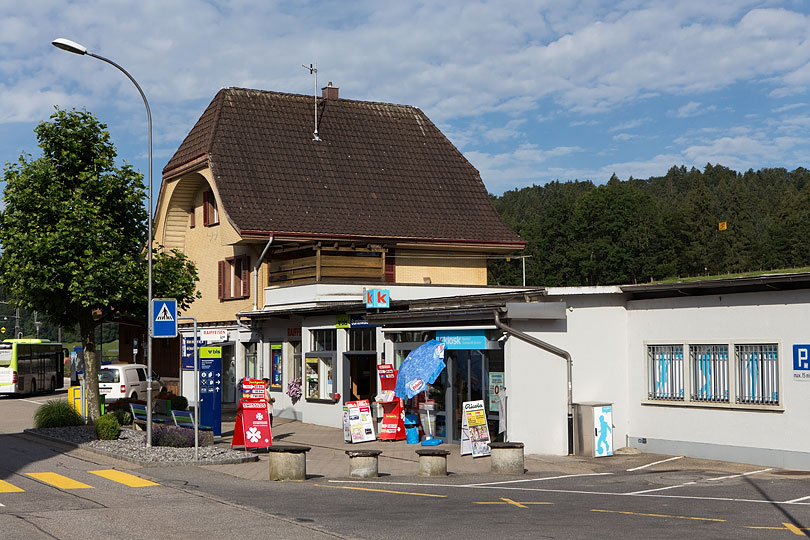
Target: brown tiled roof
{"type": "Point", "coordinates": [380, 170]}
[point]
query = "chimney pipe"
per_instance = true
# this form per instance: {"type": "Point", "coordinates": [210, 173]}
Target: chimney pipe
{"type": "Point", "coordinates": [329, 91]}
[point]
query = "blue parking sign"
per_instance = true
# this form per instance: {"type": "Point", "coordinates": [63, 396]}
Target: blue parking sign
{"type": "Point", "coordinates": [164, 317]}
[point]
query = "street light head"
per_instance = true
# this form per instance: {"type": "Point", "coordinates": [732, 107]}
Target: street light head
{"type": "Point", "coordinates": [69, 46]}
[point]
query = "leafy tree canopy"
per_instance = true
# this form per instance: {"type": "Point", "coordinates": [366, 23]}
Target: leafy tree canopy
{"type": "Point", "coordinates": [74, 232]}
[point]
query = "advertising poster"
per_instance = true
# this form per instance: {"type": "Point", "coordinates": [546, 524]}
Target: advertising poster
{"type": "Point", "coordinates": [495, 387]}
{"type": "Point", "coordinates": [360, 421]}
{"type": "Point", "coordinates": [276, 367]}
{"type": "Point", "coordinates": [476, 417]}
{"type": "Point", "coordinates": [252, 389]}
{"type": "Point", "coordinates": [252, 429]}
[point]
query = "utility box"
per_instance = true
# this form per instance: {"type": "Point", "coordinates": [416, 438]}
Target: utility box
{"type": "Point", "coordinates": [593, 429]}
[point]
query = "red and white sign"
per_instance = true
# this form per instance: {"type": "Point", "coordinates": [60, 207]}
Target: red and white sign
{"type": "Point", "coordinates": [358, 424]}
{"type": "Point", "coordinates": [252, 429]}
{"type": "Point", "coordinates": [213, 335]}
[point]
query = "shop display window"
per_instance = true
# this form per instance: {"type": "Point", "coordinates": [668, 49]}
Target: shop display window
{"type": "Point", "coordinates": [319, 377]}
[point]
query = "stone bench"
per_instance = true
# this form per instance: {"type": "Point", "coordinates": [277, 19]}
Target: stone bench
{"type": "Point", "coordinates": [288, 462]}
{"type": "Point", "coordinates": [364, 463]}
{"type": "Point", "coordinates": [432, 461]}
{"type": "Point", "coordinates": [506, 457]}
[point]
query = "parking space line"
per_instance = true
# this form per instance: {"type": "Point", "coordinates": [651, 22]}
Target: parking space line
{"type": "Point", "coordinates": [661, 489]}
{"type": "Point", "coordinates": [797, 500]}
{"type": "Point", "coordinates": [123, 478]}
{"type": "Point", "coordinates": [787, 527]}
{"type": "Point", "coordinates": [657, 515]}
{"type": "Point", "coordinates": [5, 487]}
{"type": "Point", "coordinates": [57, 480]}
{"type": "Point", "coordinates": [655, 463]}
{"type": "Point", "coordinates": [794, 529]}
{"type": "Point", "coordinates": [537, 479]}
{"type": "Point", "coordinates": [738, 475]}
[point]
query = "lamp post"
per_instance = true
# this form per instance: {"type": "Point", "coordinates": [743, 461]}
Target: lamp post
{"type": "Point", "coordinates": [76, 48]}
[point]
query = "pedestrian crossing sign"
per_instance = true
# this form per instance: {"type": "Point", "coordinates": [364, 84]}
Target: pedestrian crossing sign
{"type": "Point", "coordinates": [163, 315]}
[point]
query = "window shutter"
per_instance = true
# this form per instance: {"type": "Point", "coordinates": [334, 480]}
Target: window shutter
{"type": "Point", "coordinates": [246, 276]}
{"type": "Point", "coordinates": [192, 218]}
{"type": "Point", "coordinates": [221, 273]}
{"type": "Point", "coordinates": [206, 208]}
{"type": "Point", "coordinates": [390, 266]}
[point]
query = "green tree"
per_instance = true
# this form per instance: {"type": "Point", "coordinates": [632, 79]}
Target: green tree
{"type": "Point", "coordinates": [73, 235]}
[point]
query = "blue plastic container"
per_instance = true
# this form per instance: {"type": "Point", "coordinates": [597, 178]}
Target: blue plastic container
{"type": "Point", "coordinates": [411, 423]}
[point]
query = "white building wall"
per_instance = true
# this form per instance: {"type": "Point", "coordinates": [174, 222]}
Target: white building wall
{"type": "Point", "coordinates": [766, 435]}
{"type": "Point", "coordinates": [594, 334]}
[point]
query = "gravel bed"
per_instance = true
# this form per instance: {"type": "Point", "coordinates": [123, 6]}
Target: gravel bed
{"type": "Point", "coordinates": [130, 446]}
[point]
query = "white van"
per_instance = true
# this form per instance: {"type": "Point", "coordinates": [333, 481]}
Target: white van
{"type": "Point", "coordinates": [117, 381]}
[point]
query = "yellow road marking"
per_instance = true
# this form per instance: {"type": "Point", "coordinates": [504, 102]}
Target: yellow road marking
{"type": "Point", "coordinates": [658, 515]}
{"type": "Point", "coordinates": [123, 478]}
{"type": "Point", "coordinates": [5, 487]}
{"type": "Point", "coordinates": [794, 529]}
{"type": "Point", "coordinates": [384, 491]}
{"type": "Point", "coordinates": [504, 500]}
{"type": "Point", "coordinates": [58, 480]}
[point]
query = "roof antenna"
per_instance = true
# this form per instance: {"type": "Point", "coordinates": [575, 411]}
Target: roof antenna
{"type": "Point", "coordinates": [313, 70]}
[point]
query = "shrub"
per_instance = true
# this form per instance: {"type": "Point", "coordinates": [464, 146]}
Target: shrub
{"type": "Point", "coordinates": [57, 413]}
{"type": "Point", "coordinates": [174, 436]}
{"type": "Point", "coordinates": [123, 416]}
{"type": "Point", "coordinates": [177, 403]}
{"type": "Point", "coordinates": [107, 427]}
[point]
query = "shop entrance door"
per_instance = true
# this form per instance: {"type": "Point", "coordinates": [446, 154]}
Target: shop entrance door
{"type": "Point", "coordinates": [228, 373]}
{"type": "Point", "coordinates": [467, 374]}
{"type": "Point", "coordinates": [362, 376]}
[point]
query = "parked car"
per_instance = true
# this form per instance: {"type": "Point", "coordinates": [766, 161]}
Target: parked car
{"type": "Point", "coordinates": [118, 381]}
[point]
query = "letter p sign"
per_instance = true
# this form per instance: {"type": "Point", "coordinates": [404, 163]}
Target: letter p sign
{"type": "Point", "coordinates": [801, 357]}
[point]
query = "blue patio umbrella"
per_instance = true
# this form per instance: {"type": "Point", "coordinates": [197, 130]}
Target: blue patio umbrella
{"type": "Point", "coordinates": [421, 367]}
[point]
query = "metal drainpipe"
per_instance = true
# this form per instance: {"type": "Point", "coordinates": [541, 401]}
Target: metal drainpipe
{"type": "Point", "coordinates": [553, 350]}
{"type": "Point", "coordinates": [256, 274]}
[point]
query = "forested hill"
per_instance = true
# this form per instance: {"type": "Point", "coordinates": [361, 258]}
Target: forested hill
{"type": "Point", "coordinates": [635, 231]}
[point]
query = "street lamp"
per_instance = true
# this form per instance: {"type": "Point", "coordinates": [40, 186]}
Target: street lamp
{"type": "Point", "coordinates": [76, 48]}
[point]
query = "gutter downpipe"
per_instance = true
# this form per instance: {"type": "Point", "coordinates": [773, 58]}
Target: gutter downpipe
{"type": "Point", "coordinates": [553, 350]}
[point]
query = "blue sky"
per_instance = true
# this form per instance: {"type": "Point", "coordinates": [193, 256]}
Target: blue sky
{"type": "Point", "coordinates": [529, 92]}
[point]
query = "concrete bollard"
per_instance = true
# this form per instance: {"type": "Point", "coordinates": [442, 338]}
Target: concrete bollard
{"type": "Point", "coordinates": [432, 461]}
{"type": "Point", "coordinates": [364, 463]}
{"type": "Point", "coordinates": [288, 462]}
{"type": "Point", "coordinates": [506, 457]}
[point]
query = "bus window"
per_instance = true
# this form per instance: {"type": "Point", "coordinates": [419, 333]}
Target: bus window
{"type": "Point", "coordinates": [5, 354]}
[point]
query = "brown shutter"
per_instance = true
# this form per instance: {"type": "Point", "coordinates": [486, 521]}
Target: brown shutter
{"type": "Point", "coordinates": [206, 208]}
{"type": "Point", "coordinates": [245, 276]}
{"type": "Point", "coordinates": [390, 266]}
{"type": "Point", "coordinates": [192, 218]}
{"type": "Point", "coordinates": [221, 273]}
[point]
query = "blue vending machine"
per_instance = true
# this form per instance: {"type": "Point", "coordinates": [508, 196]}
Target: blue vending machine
{"type": "Point", "coordinates": [211, 388]}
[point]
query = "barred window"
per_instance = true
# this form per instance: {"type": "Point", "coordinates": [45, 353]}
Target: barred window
{"type": "Point", "coordinates": [757, 373]}
{"type": "Point", "coordinates": [709, 373]}
{"type": "Point", "coordinates": [665, 372]}
{"type": "Point", "coordinates": [363, 339]}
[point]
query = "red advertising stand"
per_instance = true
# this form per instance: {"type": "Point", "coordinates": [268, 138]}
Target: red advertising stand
{"type": "Point", "coordinates": [392, 427]}
{"type": "Point", "coordinates": [252, 429]}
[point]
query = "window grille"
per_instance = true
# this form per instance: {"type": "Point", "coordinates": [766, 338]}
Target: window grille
{"type": "Point", "coordinates": [757, 373]}
{"type": "Point", "coordinates": [709, 373]}
{"type": "Point", "coordinates": [323, 340]}
{"type": "Point", "coordinates": [665, 368]}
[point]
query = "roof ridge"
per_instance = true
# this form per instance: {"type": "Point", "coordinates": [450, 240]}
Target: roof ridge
{"type": "Point", "coordinates": [309, 96]}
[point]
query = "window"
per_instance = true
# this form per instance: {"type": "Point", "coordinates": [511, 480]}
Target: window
{"type": "Point", "coordinates": [234, 278]}
{"type": "Point", "coordinates": [665, 372]}
{"type": "Point", "coordinates": [210, 212]}
{"type": "Point", "coordinates": [362, 339]}
{"type": "Point", "coordinates": [757, 373]}
{"type": "Point", "coordinates": [319, 381]}
{"type": "Point", "coordinates": [295, 368]}
{"type": "Point", "coordinates": [709, 372]}
{"type": "Point", "coordinates": [323, 340]}
{"type": "Point", "coordinates": [752, 378]}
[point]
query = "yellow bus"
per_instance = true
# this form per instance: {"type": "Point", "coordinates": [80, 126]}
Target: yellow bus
{"type": "Point", "coordinates": [28, 366]}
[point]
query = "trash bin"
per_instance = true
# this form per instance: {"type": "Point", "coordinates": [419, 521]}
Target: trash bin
{"type": "Point", "coordinates": [411, 423]}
